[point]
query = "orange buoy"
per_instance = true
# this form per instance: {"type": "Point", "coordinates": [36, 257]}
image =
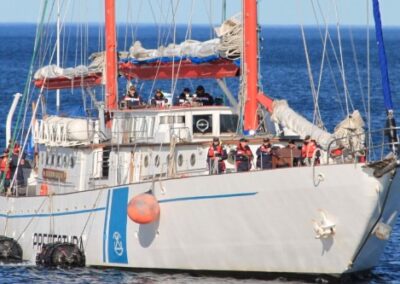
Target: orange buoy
{"type": "Point", "coordinates": [44, 190]}
{"type": "Point", "coordinates": [143, 209]}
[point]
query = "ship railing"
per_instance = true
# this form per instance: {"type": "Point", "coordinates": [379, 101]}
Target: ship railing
{"type": "Point", "coordinates": [376, 146]}
{"type": "Point", "coordinates": [58, 133]}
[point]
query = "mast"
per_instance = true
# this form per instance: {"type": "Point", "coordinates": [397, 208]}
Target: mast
{"type": "Point", "coordinates": [387, 95]}
{"type": "Point", "coordinates": [250, 52]}
{"type": "Point", "coordinates": [58, 52]}
{"type": "Point", "coordinates": [111, 55]}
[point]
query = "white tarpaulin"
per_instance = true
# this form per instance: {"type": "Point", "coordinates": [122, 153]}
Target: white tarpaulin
{"type": "Point", "coordinates": [290, 119]}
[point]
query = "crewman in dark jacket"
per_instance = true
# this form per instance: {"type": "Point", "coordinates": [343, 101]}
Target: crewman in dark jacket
{"type": "Point", "coordinates": [202, 97]}
{"type": "Point", "coordinates": [244, 156]}
{"type": "Point", "coordinates": [216, 156]}
{"type": "Point", "coordinates": [133, 98]}
{"type": "Point", "coordinates": [264, 157]}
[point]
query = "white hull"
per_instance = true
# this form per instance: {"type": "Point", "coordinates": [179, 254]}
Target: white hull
{"type": "Point", "coordinates": [260, 221]}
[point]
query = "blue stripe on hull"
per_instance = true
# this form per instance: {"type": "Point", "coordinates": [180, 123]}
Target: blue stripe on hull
{"type": "Point", "coordinates": [117, 250]}
{"type": "Point", "coordinates": [191, 198]}
{"type": "Point", "coordinates": [105, 227]}
{"type": "Point", "coordinates": [38, 215]}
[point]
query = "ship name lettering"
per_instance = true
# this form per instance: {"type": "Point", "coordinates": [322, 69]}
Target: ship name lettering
{"type": "Point", "coordinates": [40, 239]}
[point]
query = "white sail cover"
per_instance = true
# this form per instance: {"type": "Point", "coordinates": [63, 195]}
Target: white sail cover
{"type": "Point", "coordinates": [350, 132]}
{"type": "Point", "coordinates": [53, 71]}
{"type": "Point", "coordinates": [287, 117]}
{"type": "Point", "coordinates": [190, 48]}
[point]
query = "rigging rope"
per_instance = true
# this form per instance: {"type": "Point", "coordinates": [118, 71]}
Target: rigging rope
{"type": "Point", "coordinates": [346, 94]}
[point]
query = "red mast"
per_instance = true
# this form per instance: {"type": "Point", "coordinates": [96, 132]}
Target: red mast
{"type": "Point", "coordinates": [250, 45]}
{"type": "Point", "coordinates": [111, 56]}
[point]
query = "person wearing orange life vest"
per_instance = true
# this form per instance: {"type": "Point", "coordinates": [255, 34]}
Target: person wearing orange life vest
{"type": "Point", "coordinates": [264, 156]}
{"type": "Point", "coordinates": [244, 156]}
{"type": "Point", "coordinates": [5, 170]}
{"type": "Point", "coordinates": [216, 156]}
{"type": "Point", "coordinates": [307, 150]}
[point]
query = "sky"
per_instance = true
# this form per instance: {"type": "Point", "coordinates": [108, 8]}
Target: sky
{"type": "Point", "coordinates": [271, 12]}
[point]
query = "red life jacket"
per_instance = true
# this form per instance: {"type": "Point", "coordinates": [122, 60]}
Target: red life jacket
{"type": "Point", "coordinates": [5, 167]}
{"type": "Point", "coordinates": [307, 150]}
{"type": "Point", "coordinates": [244, 151]}
{"type": "Point", "coordinates": [211, 151]}
{"type": "Point", "coordinates": [3, 164]}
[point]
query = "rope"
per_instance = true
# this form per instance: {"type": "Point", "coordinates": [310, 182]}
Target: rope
{"type": "Point", "coordinates": [317, 114]}
{"type": "Point", "coordinates": [30, 220]}
{"type": "Point", "coordinates": [39, 32]}
{"type": "Point", "coordinates": [346, 94]}
{"type": "Point", "coordinates": [357, 70]}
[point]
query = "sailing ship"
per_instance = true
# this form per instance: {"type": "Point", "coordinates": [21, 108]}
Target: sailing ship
{"type": "Point", "coordinates": [131, 188]}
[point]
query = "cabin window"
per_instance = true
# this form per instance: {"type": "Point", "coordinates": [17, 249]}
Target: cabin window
{"type": "Point", "coordinates": [72, 162]}
{"type": "Point", "coordinates": [59, 161]}
{"type": "Point", "coordinates": [105, 167]}
{"type": "Point", "coordinates": [146, 161]}
{"type": "Point", "coordinates": [228, 123]}
{"type": "Point", "coordinates": [172, 119]}
{"type": "Point", "coordinates": [180, 160]}
{"type": "Point", "coordinates": [52, 160]}
{"type": "Point", "coordinates": [157, 161]}
{"type": "Point", "coordinates": [166, 120]}
{"type": "Point", "coordinates": [179, 119]}
{"type": "Point", "coordinates": [192, 159]}
{"type": "Point", "coordinates": [202, 124]}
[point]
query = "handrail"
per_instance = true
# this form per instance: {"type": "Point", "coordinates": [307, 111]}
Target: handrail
{"type": "Point", "coordinates": [382, 145]}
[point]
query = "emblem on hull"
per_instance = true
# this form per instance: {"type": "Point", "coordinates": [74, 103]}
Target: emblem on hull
{"type": "Point", "coordinates": [118, 246]}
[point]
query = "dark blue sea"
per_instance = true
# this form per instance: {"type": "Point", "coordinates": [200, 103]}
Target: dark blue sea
{"type": "Point", "coordinates": [283, 75]}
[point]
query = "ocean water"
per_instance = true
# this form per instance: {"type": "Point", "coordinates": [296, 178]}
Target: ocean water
{"type": "Point", "coordinates": [284, 75]}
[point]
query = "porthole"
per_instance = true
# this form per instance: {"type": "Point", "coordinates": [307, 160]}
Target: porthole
{"type": "Point", "coordinates": [157, 161]}
{"type": "Point", "coordinates": [72, 162]}
{"type": "Point", "coordinates": [59, 161]}
{"type": "Point", "coordinates": [192, 160]}
{"type": "Point", "coordinates": [146, 161]}
{"type": "Point", "coordinates": [65, 161]}
{"type": "Point", "coordinates": [180, 160]}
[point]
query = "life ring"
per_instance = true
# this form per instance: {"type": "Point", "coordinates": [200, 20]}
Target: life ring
{"type": "Point", "coordinates": [202, 125]}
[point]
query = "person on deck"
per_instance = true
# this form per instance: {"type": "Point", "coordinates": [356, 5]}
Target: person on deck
{"type": "Point", "coordinates": [185, 97]}
{"type": "Point", "coordinates": [15, 166]}
{"type": "Point", "coordinates": [158, 99]}
{"type": "Point", "coordinates": [216, 156]}
{"type": "Point", "coordinates": [202, 97]}
{"type": "Point", "coordinates": [244, 156]}
{"type": "Point", "coordinates": [307, 150]}
{"type": "Point", "coordinates": [133, 98]}
{"type": "Point", "coordinates": [264, 156]}
{"type": "Point", "coordinates": [5, 170]}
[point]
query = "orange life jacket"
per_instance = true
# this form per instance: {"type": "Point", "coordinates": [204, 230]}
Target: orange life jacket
{"type": "Point", "coordinates": [5, 166]}
{"type": "Point", "coordinates": [244, 151]}
{"type": "Point", "coordinates": [307, 150]}
{"type": "Point", "coordinates": [211, 151]}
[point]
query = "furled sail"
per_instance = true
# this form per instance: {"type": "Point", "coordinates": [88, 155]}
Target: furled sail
{"type": "Point", "coordinates": [290, 119]}
{"type": "Point", "coordinates": [215, 58]}
{"type": "Point", "coordinates": [54, 77]}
